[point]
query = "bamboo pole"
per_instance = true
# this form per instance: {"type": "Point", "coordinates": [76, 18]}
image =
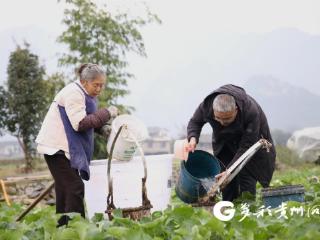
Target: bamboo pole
{"type": "Point", "coordinates": [5, 195]}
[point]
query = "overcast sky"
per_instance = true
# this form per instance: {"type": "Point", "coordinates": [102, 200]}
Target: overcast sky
{"type": "Point", "coordinates": [187, 27]}
{"type": "Point", "coordinates": [237, 15]}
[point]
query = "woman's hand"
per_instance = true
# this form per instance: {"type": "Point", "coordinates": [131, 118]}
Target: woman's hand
{"type": "Point", "coordinates": [114, 112]}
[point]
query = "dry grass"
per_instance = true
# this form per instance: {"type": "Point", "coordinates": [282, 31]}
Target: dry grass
{"type": "Point", "coordinates": [16, 168]}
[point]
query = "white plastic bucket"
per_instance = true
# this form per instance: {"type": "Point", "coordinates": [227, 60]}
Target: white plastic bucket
{"type": "Point", "coordinates": [125, 147]}
{"type": "Point", "coordinates": [179, 149]}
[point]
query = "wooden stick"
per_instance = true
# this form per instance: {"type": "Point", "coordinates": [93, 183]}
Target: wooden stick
{"type": "Point", "coordinates": [35, 202]}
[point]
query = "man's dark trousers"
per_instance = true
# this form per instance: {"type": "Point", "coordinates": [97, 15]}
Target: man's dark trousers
{"type": "Point", "coordinates": [242, 182]}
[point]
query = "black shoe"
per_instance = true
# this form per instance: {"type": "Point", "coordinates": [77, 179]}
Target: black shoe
{"type": "Point", "coordinates": [63, 221]}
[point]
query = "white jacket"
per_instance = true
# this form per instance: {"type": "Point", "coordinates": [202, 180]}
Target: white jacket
{"type": "Point", "coordinates": [52, 136]}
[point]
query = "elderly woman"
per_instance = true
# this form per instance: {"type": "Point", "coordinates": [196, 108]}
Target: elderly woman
{"type": "Point", "coordinates": [66, 137]}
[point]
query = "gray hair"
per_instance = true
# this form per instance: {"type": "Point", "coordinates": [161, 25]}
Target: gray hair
{"type": "Point", "coordinates": [224, 103]}
{"type": "Point", "coordinates": [90, 71]}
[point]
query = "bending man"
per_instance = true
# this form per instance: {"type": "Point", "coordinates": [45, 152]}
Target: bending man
{"type": "Point", "coordinates": [237, 122]}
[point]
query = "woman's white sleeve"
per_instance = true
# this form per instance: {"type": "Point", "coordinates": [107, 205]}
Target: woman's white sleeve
{"type": "Point", "coordinates": [75, 106]}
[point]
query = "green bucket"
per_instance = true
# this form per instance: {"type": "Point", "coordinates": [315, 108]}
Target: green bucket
{"type": "Point", "coordinates": [200, 165]}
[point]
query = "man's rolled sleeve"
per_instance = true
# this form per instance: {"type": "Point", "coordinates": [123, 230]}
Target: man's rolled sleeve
{"type": "Point", "coordinates": [196, 123]}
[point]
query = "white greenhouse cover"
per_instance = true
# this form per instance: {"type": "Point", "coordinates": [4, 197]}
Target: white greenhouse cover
{"type": "Point", "coordinates": [306, 143]}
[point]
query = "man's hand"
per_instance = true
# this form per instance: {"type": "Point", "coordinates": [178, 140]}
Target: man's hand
{"type": "Point", "coordinates": [220, 175]}
{"type": "Point", "coordinates": [191, 146]}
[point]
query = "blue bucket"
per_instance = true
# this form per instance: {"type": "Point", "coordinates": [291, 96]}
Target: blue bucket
{"type": "Point", "coordinates": [200, 165]}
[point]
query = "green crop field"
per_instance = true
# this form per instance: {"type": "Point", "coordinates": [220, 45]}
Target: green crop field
{"type": "Point", "coordinates": [180, 221]}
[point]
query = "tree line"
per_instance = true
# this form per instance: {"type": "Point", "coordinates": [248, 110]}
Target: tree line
{"type": "Point", "coordinates": [92, 34]}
